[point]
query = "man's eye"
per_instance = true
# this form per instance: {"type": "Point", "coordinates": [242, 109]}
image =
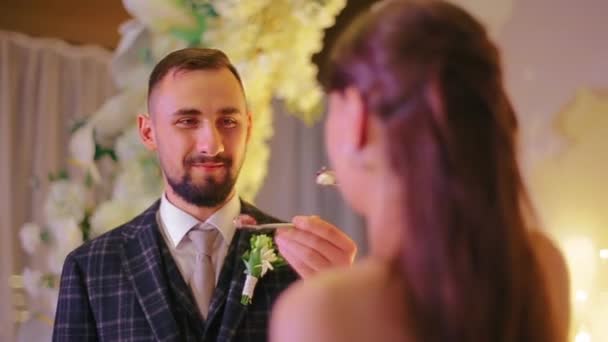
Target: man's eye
{"type": "Point", "coordinates": [228, 122]}
{"type": "Point", "coordinates": [187, 122]}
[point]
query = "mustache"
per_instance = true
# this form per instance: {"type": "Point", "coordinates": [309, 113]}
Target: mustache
{"type": "Point", "coordinates": [200, 159]}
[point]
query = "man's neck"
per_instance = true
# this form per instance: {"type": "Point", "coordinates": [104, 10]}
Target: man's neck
{"type": "Point", "coordinates": [201, 213]}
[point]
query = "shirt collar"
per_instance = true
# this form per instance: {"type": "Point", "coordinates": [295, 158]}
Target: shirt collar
{"type": "Point", "coordinates": [178, 223]}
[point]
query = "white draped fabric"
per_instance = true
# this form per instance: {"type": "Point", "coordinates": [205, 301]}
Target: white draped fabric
{"type": "Point", "coordinates": [46, 85]}
{"type": "Point", "coordinates": [297, 153]}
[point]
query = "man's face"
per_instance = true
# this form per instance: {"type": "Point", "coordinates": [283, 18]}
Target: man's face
{"type": "Point", "coordinates": [199, 126]}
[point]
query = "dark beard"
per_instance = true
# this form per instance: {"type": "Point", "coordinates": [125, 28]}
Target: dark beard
{"type": "Point", "coordinates": [209, 194]}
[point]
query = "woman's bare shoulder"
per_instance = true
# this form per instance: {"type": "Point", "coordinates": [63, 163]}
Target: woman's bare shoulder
{"type": "Point", "coordinates": [325, 307]}
{"type": "Point", "coordinates": [555, 272]}
{"type": "Point", "coordinates": [550, 259]}
{"type": "Point", "coordinates": [545, 247]}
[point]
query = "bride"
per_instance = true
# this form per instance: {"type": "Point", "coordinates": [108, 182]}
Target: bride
{"type": "Point", "coordinates": [422, 138]}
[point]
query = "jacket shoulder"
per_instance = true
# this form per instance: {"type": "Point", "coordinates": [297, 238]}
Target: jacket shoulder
{"type": "Point", "coordinates": [110, 243]}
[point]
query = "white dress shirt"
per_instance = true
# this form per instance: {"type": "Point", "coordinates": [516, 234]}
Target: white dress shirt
{"type": "Point", "coordinates": [175, 224]}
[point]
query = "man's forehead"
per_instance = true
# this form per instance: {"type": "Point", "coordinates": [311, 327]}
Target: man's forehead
{"type": "Point", "coordinates": [206, 78]}
{"type": "Point", "coordinates": [200, 76]}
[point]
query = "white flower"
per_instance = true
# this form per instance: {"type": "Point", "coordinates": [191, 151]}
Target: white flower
{"type": "Point", "coordinates": [55, 260]}
{"type": "Point", "coordinates": [161, 15]}
{"type": "Point", "coordinates": [268, 256]}
{"type": "Point", "coordinates": [129, 147]}
{"type": "Point", "coordinates": [56, 256]}
{"type": "Point", "coordinates": [82, 150]}
{"type": "Point", "coordinates": [138, 179]}
{"type": "Point", "coordinates": [240, 10]}
{"type": "Point", "coordinates": [162, 44]}
{"type": "Point", "coordinates": [30, 237]}
{"type": "Point", "coordinates": [65, 200]}
{"type": "Point", "coordinates": [32, 282]}
{"type": "Point", "coordinates": [67, 235]}
{"type": "Point", "coordinates": [143, 203]}
{"type": "Point", "coordinates": [127, 64]}
{"type": "Point", "coordinates": [313, 14]}
{"type": "Point", "coordinates": [109, 215]}
{"type": "Point", "coordinates": [118, 113]}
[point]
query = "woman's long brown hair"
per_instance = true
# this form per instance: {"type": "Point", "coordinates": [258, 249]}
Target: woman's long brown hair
{"type": "Point", "coordinates": [466, 260]}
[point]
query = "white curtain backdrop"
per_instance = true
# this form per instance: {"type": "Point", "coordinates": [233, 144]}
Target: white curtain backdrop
{"type": "Point", "coordinates": [297, 153]}
{"type": "Point", "coordinates": [45, 86]}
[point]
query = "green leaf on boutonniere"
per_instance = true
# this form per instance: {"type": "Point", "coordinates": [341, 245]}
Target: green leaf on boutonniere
{"type": "Point", "coordinates": [259, 259]}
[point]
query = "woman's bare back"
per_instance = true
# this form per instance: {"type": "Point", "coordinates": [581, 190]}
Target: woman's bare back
{"type": "Point", "coordinates": [367, 301]}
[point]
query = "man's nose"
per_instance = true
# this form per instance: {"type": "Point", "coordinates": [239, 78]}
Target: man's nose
{"type": "Point", "coordinates": [209, 140]}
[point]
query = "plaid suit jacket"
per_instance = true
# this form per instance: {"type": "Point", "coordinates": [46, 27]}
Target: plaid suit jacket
{"type": "Point", "coordinates": [114, 288]}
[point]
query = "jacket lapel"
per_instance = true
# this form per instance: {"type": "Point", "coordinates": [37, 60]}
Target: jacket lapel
{"type": "Point", "coordinates": [227, 294]}
{"type": "Point", "coordinates": [141, 261]}
{"type": "Point", "coordinates": [225, 305]}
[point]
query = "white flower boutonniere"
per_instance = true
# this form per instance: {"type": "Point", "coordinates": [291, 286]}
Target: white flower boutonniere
{"type": "Point", "coordinates": [260, 258]}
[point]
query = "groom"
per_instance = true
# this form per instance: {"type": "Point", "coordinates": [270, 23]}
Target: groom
{"type": "Point", "coordinates": [153, 279]}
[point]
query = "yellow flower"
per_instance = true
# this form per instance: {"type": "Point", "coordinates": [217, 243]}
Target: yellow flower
{"type": "Point", "coordinates": [161, 15]}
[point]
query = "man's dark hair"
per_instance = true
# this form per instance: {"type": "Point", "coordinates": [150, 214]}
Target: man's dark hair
{"type": "Point", "coordinates": [191, 59]}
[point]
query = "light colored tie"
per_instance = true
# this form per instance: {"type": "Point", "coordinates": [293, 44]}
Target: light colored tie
{"type": "Point", "coordinates": [203, 276]}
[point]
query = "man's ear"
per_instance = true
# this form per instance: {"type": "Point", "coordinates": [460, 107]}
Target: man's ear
{"type": "Point", "coordinates": [146, 131]}
{"type": "Point", "coordinates": [357, 110]}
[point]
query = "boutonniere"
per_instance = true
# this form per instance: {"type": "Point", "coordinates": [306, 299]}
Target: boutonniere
{"type": "Point", "coordinates": [261, 257]}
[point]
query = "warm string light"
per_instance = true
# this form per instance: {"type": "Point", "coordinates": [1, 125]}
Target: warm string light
{"type": "Point", "coordinates": [587, 267]}
{"type": "Point", "coordinates": [581, 296]}
{"type": "Point", "coordinates": [582, 336]}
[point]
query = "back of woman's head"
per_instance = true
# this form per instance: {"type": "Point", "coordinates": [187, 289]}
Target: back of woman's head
{"type": "Point", "coordinates": [430, 71]}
